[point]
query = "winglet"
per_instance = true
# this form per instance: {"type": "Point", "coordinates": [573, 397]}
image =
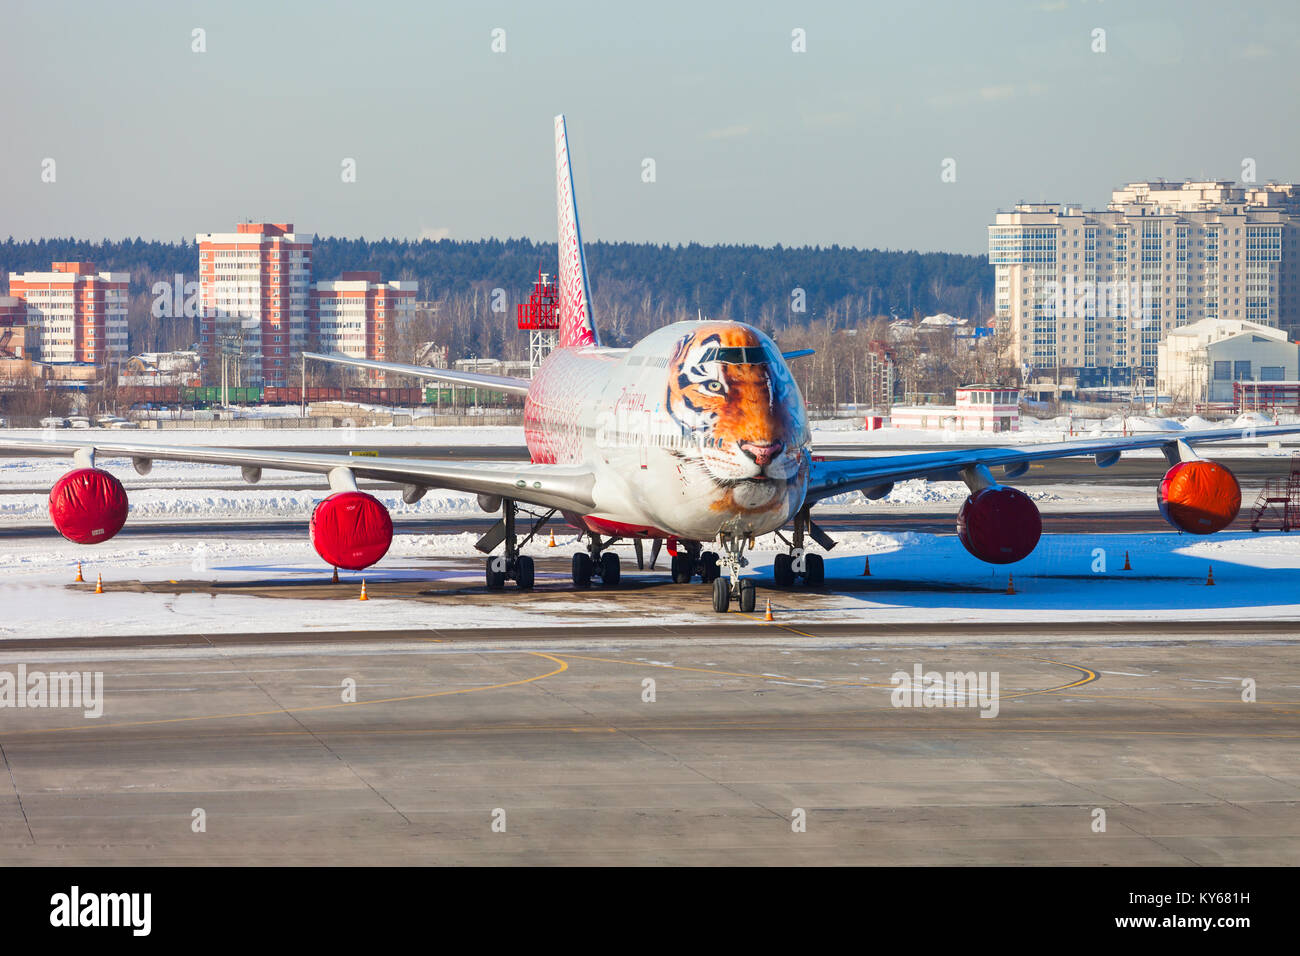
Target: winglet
{"type": "Point", "coordinates": [577, 327]}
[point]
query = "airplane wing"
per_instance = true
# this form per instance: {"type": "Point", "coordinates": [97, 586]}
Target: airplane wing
{"type": "Point", "coordinates": [567, 487]}
{"type": "Point", "coordinates": [499, 383]}
{"type": "Point", "coordinates": [875, 475]}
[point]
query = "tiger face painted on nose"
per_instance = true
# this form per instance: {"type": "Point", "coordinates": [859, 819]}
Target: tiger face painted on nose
{"type": "Point", "coordinates": [730, 391]}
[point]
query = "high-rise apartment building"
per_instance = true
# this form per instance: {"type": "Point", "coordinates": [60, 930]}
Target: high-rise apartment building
{"type": "Point", "coordinates": [359, 314]}
{"type": "Point", "coordinates": [1091, 294]}
{"type": "Point", "coordinates": [255, 287]}
{"type": "Point", "coordinates": [71, 314]}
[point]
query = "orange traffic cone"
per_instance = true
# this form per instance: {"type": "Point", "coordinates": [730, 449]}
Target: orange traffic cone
{"type": "Point", "coordinates": [99, 584]}
{"type": "Point", "coordinates": [1209, 578]}
{"type": "Point", "coordinates": [1127, 566]}
{"type": "Point", "coordinates": [363, 591]}
{"type": "Point", "coordinates": [1011, 585]}
{"type": "Point", "coordinates": [768, 616]}
{"type": "Point", "coordinates": [336, 576]}
{"type": "Point", "coordinates": [80, 579]}
{"type": "Point", "coordinates": [866, 567]}
{"type": "Point", "coordinates": [551, 543]}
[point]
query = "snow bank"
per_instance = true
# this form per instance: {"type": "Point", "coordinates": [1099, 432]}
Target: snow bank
{"type": "Point", "coordinates": [914, 578]}
{"type": "Point", "coordinates": [918, 491]}
{"type": "Point", "coordinates": [183, 503]}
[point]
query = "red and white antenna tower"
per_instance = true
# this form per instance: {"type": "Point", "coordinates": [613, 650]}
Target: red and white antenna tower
{"type": "Point", "coordinates": [540, 316]}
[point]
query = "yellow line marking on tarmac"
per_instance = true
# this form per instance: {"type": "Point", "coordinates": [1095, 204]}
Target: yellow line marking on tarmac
{"type": "Point", "coordinates": [1180, 700]}
{"type": "Point", "coordinates": [1088, 677]}
{"type": "Point", "coordinates": [784, 627]}
{"type": "Point", "coordinates": [739, 726]}
{"type": "Point", "coordinates": [303, 710]}
{"type": "Point", "coordinates": [707, 670]}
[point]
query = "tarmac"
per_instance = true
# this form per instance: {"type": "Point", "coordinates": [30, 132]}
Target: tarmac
{"type": "Point", "coordinates": [754, 744]}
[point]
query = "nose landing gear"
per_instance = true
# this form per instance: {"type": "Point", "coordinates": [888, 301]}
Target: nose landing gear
{"type": "Point", "coordinates": [733, 586]}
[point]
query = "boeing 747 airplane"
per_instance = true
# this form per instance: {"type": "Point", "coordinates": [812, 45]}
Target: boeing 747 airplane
{"type": "Point", "coordinates": [696, 437]}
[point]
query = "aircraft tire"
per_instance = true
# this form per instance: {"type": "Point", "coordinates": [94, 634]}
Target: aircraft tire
{"type": "Point", "coordinates": [524, 572]}
{"type": "Point", "coordinates": [748, 596]}
{"type": "Point", "coordinates": [582, 568]}
{"type": "Point", "coordinates": [782, 573]}
{"type": "Point", "coordinates": [814, 571]}
{"type": "Point", "coordinates": [721, 595]}
{"type": "Point", "coordinates": [610, 573]}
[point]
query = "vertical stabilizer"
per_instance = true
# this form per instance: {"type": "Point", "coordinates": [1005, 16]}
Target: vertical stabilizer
{"type": "Point", "coordinates": [577, 326]}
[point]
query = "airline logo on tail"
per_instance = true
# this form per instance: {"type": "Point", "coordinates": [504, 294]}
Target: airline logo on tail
{"type": "Point", "coordinates": [576, 325]}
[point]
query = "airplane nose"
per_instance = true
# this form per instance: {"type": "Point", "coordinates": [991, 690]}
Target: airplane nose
{"type": "Point", "coordinates": [761, 452]}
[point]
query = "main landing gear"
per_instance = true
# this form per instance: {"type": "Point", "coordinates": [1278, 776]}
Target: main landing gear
{"type": "Point", "coordinates": [690, 561]}
{"type": "Point", "coordinates": [596, 562]}
{"type": "Point", "coordinates": [510, 565]}
{"type": "Point", "coordinates": [788, 568]}
{"type": "Point", "coordinates": [799, 563]}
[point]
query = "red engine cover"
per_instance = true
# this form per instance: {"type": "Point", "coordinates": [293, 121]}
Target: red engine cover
{"type": "Point", "coordinates": [1201, 497]}
{"type": "Point", "coordinates": [999, 525]}
{"type": "Point", "coordinates": [88, 505]}
{"type": "Point", "coordinates": [351, 530]}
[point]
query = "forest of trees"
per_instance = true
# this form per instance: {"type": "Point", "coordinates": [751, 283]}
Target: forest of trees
{"type": "Point", "coordinates": [636, 286]}
{"type": "Point", "coordinates": [834, 299]}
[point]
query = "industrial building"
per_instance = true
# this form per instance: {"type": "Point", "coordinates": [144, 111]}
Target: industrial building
{"type": "Point", "coordinates": [1199, 363]}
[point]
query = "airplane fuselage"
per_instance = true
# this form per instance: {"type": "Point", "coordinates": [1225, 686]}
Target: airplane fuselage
{"type": "Point", "coordinates": [697, 430]}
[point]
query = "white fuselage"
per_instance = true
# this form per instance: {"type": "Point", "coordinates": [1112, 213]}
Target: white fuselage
{"type": "Point", "coordinates": [697, 430]}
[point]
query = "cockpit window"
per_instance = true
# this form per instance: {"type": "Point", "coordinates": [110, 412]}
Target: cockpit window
{"type": "Point", "coordinates": [737, 355]}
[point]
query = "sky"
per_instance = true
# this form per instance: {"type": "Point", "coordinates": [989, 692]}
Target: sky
{"type": "Point", "coordinates": [846, 141]}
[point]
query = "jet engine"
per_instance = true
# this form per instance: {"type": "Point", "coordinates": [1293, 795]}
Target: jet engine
{"type": "Point", "coordinates": [999, 525]}
{"type": "Point", "coordinates": [88, 505]}
{"type": "Point", "coordinates": [351, 530]}
{"type": "Point", "coordinates": [1199, 496]}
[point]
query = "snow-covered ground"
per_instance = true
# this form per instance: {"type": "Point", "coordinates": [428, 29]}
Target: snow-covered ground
{"type": "Point", "coordinates": [197, 495]}
{"type": "Point", "coordinates": [184, 490]}
{"type": "Point", "coordinates": [915, 577]}
{"type": "Point", "coordinates": [835, 431]}
{"type": "Point", "coordinates": [180, 503]}
{"type": "Point", "coordinates": [850, 431]}
{"type": "Point", "coordinates": [359, 438]}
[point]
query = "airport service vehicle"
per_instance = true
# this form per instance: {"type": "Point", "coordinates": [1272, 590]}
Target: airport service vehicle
{"type": "Point", "coordinates": [696, 437]}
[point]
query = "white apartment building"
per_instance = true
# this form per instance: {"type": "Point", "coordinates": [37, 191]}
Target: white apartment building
{"type": "Point", "coordinates": [359, 314]}
{"type": "Point", "coordinates": [255, 285]}
{"type": "Point", "coordinates": [1091, 294]}
{"type": "Point", "coordinates": [1199, 362]}
{"type": "Point", "coordinates": [72, 314]}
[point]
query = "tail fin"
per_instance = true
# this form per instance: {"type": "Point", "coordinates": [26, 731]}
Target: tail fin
{"type": "Point", "coordinates": [577, 326]}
